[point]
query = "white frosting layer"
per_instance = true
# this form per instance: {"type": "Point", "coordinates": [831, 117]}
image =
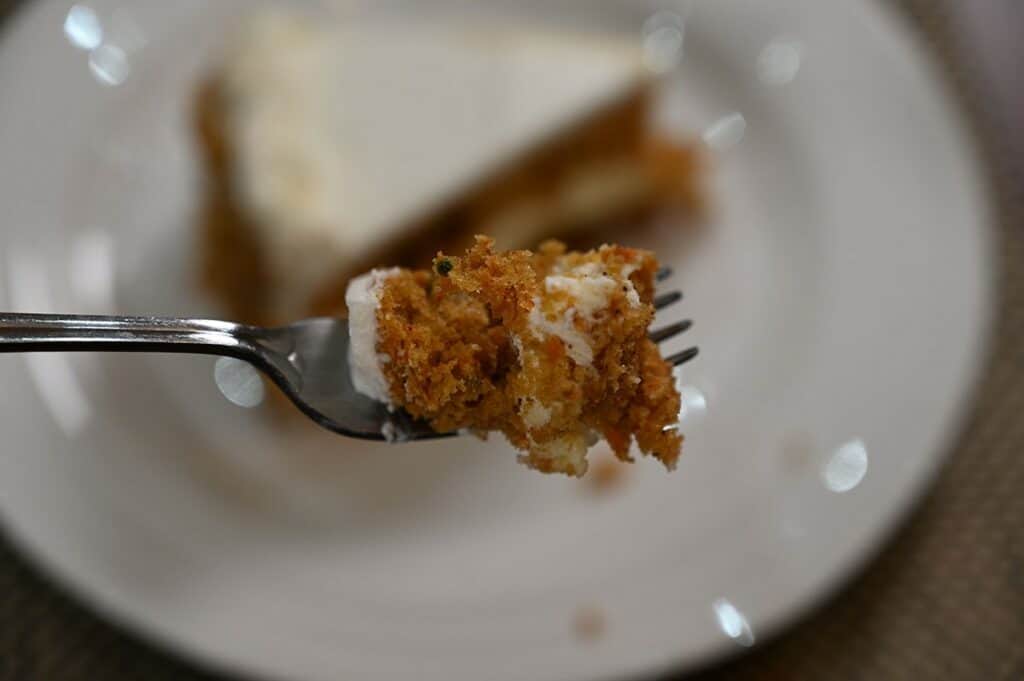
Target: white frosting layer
{"type": "Point", "coordinates": [572, 447]}
{"type": "Point", "coordinates": [588, 285]}
{"type": "Point", "coordinates": [589, 288]}
{"type": "Point", "coordinates": [632, 296]}
{"type": "Point", "coordinates": [577, 346]}
{"type": "Point", "coordinates": [536, 415]}
{"type": "Point", "coordinates": [363, 299]}
{"type": "Point", "coordinates": [342, 134]}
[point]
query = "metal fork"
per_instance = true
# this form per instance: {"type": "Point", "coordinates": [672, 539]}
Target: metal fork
{"type": "Point", "coordinates": [308, 360]}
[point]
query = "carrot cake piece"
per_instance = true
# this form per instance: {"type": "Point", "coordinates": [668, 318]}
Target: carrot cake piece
{"type": "Point", "coordinates": [550, 348]}
{"type": "Point", "coordinates": [334, 146]}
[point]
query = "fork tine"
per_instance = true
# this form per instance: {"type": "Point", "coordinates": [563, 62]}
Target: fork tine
{"type": "Point", "coordinates": [682, 357]}
{"type": "Point", "coordinates": [669, 331]}
{"type": "Point", "coordinates": [666, 299]}
{"type": "Point", "coordinates": [663, 274]}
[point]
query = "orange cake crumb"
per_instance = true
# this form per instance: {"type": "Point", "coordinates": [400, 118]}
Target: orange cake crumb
{"type": "Point", "coordinates": [606, 474]}
{"type": "Point", "coordinates": [549, 348]}
{"type": "Point", "coordinates": [590, 623]}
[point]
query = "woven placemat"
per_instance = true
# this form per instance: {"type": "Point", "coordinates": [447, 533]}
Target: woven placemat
{"type": "Point", "coordinates": [945, 600]}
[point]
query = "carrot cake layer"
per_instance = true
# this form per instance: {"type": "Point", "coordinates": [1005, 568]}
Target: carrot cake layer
{"type": "Point", "coordinates": [549, 348]}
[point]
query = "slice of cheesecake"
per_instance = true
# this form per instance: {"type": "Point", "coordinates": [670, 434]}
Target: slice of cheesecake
{"type": "Point", "coordinates": [334, 147]}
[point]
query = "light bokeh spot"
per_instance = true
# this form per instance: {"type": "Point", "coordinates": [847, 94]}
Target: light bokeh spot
{"type": "Point", "coordinates": [108, 64]}
{"type": "Point", "coordinates": [83, 28]}
{"type": "Point", "coordinates": [663, 41]}
{"type": "Point", "coordinates": [726, 132]}
{"type": "Point", "coordinates": [779, 61]}
{"type": "Point", "coordinates": [239, 382]}
{"type": "Point", "coordinates": [733, 622]}
{"type": "Point", "coordinates": [846, 468]}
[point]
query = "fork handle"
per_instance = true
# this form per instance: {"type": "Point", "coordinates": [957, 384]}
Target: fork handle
{"type": "Point", "coordinates": [60, 333]}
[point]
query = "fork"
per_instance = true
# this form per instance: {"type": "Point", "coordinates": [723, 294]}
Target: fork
{"type": "Point", "coordinates": [307, 360]}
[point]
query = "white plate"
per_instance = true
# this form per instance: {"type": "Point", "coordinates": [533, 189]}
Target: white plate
{"type": "Point", "coordinates": [841, 299]}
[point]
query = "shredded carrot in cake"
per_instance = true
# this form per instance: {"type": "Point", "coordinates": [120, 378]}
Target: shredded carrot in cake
{"type": "Point", "coordinates": [549, 348]}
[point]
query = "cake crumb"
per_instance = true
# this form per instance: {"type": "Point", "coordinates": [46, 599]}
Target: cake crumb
{"type": "Point", "coordinates": [590, 623]}
{"type": "Point", "coordinates": [606, 475]}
